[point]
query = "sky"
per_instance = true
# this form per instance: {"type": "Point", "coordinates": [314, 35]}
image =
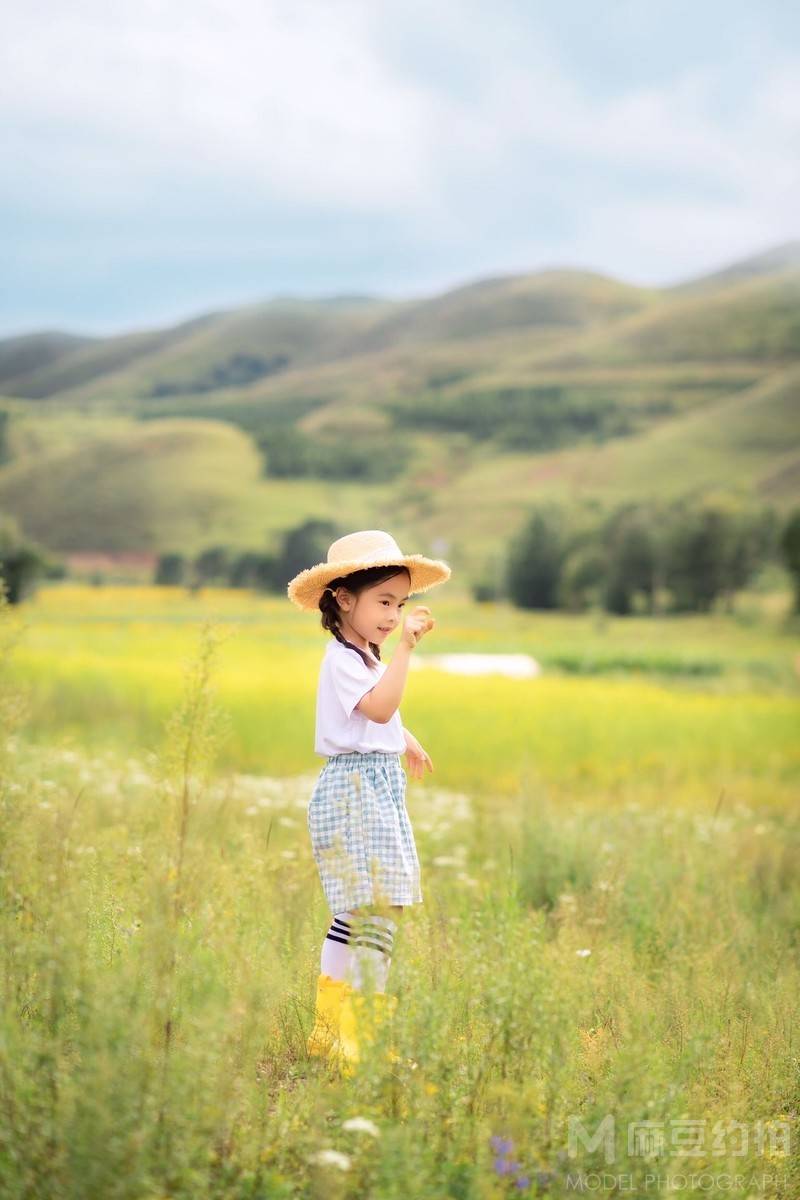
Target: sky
{"type": "Point", "coordinates": [166, 159]}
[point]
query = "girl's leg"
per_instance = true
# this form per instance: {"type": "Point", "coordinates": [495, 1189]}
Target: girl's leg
{"type": "Point", "coordinates": [337, 950]}
{"type": "Point", "coordinates": [372, 943]}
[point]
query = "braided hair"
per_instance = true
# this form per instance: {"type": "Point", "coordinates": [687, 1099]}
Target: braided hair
{"type": "Point", "coordinates": [355, 582]}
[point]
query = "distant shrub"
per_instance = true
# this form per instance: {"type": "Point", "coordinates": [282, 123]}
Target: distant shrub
{"type": "Point", "coordinates": [535, 559]}
{"type": "Point", "coordinates": [790, 549]}
{"type": "Point", "coordinates": [170, 570]}
{"type": "Point", "coordinates": [291, 453]}
{"type": "Point", "coordinates": [22, 562]}
{"type": "Point", "coordinates": [237, 370]}
{"type": "Point", "coordinates": [518, 418]}
{"type": "Point", "coordinates": [486, 590]}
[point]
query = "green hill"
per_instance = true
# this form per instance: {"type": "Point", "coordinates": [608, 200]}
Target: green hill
{"type": "Point", "coordinates": [30, 353]}
{"type": "Point", "coordinates": [131, 486]}
{"type": "Point", "coordinates": [750, 320]}
{"type": "Point", "coordinates": [557, 382]}
{"type": "Point", "coordinates": [213, 352]}
{"type": "Point", "coordinates": [746, 443]}
{"type": "Point", "coordinates": [773, 261]}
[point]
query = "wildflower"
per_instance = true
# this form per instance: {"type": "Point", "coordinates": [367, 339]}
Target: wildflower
{"type": "Point", "coordinates": [501, 1145]}
{"type": "Point", "coordinates": [332, 1158]}
{"type": "Point", "coordinates": [583, 953]}
{"type": "Point", "coordinates": [362, 1125]}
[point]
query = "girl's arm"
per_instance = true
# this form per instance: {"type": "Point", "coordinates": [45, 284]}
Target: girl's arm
{"type": "Point", "coordinates": [381, 702]}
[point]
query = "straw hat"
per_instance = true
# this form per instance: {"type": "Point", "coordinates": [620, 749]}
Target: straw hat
{"type": "Point", "coordinates": [353, 552]}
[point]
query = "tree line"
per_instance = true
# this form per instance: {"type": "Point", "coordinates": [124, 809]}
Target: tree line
{"type": "Point", "coordinates": [685, 556]}
{"type": "Point", "coordinates": [648, 556]}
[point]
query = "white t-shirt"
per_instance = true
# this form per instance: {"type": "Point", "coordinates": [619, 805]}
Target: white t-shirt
{"type": "Point", "coordinates": [344, 678]}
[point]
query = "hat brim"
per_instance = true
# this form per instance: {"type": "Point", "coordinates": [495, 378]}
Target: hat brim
{"type": "Point", "coordinates": [305, 589]}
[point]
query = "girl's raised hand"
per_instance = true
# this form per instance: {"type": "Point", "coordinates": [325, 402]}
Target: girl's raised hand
{"type": "Point", "coordinates": [417, 624]}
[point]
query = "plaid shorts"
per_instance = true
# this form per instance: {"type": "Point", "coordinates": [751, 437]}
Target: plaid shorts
{"type": "Point", "coordinates": [361, 835]}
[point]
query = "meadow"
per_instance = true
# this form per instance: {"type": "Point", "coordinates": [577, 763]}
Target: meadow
{"type": "Point", "coordinates": [608, 940]}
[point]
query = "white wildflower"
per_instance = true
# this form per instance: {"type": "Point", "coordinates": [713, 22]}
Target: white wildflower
{"type": "Point", "coordinates": [362, 1125]}
{"type": "Point", "coordinates": [331, 1158]}
{"type": "Point", "coordinates": [583, 953]}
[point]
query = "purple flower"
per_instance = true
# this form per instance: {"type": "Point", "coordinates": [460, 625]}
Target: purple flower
{"type": "Point", "coordinates": [501, 1145]}
{"type": "Point", "coordinates": [522, 1181]}
{"type": "Point", "coordinates": [503, 1166]}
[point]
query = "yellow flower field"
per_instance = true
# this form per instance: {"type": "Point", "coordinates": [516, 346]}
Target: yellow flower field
{"type": "Point", "coordinates": [611, 878]}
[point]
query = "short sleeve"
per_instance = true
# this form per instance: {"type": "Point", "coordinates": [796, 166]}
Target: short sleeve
{"type": "Point", "coordinates": [351, 679]}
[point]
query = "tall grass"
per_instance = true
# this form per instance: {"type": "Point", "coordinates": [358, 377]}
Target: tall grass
{"type": "Point", "coordinates": [612, 950]}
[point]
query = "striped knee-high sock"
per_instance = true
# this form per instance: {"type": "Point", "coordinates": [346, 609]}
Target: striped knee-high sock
{"type": "Point", "coordinates": [371, 952]}
{"type": "Point", "coordinates": [336, 947]}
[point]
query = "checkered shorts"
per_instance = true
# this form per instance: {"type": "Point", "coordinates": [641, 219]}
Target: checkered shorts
{"type": "Point", "coordinates": [361, 835]}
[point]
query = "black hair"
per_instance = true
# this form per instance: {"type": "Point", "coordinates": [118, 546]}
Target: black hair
{"type": "Point", "coordinates": [355, 582]}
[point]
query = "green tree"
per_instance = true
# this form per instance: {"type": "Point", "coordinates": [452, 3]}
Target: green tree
{"type": "Point", "coordinates": [170, 570]}
{"type": "Point", "coordinates": [211, 565]}
{"type": "Point", "coordinates": [535, 559]}
{"type": "Point", "coordinates": [696, 550]}
{"type": "Point", "coordinates": [22, 562]}
{"type": "Point", "coordinates": [583, 576]}
{"type": "Point", "coordinates": [302, 547]}
{"type": "Point", "coordinates": [752, 539]}
{"type": "Point", "coordinates": [630, 556]}
{"type": "Point", "coordinates": [790, 549]}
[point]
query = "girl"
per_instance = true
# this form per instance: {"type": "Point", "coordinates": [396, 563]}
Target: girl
{"type": "Point", "coordinates": [361, 835]}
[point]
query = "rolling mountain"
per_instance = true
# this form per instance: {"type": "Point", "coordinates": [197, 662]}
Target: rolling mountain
{"type": "Point", "coordinates": [503, 389]}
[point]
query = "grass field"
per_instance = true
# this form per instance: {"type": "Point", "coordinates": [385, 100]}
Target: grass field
{"type": "Point", "coordinates": [609, 933]}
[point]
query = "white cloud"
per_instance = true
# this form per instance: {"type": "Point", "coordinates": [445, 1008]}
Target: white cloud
{"type": "Point", "coordinates": [285, 98]}
{"type": "Point", "coordinates": [311, 107]}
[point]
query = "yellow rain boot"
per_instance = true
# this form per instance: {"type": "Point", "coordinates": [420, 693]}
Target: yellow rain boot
{"type": "Point", "coordinates": [362, 1015]}
{"type": "Point", "coordinates": [324, 1037]}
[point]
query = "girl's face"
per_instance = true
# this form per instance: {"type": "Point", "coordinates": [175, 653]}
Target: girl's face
{"type": "Point", "coordinates": [375, 612]}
